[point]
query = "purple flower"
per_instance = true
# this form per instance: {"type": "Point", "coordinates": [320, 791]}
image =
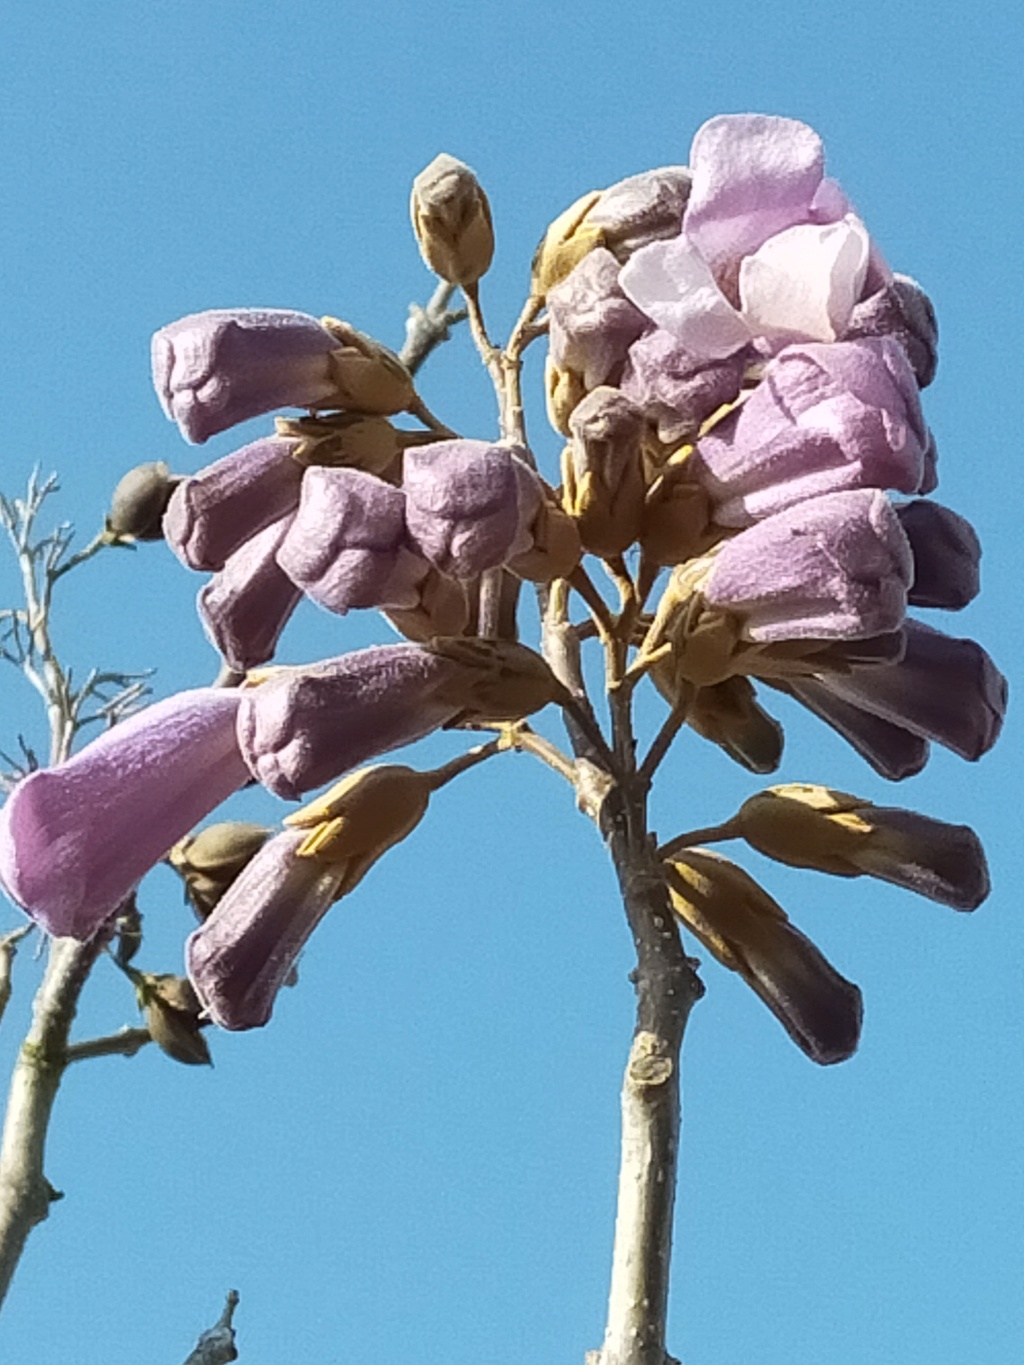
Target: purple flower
{"type": "Point", "coordinates": [947, 555]}
{"type": "Point", "coordinates": [213, 513]}
{"type": "Point", "coordinates": [892, 751]}
{"type": "Point", "coordinates": [246, 606]}
{"type": "Point", "coordinates": [215, 369]}
{"type": "Point", "coordinates": [902, 310]}
{"type": "Point", "coordinates": [824, 419]}
{"type": "Point", "coordinates": [593, 324]}
{"type": "Point", "coordinates": [304, 726]}
{"type": "Point", "coordinates": [944, 689]}
{"type": "Point", "coordinates": [75, 839]}
{"type": "Point", "coordinates": [769, 250]}
{"type": "Point", "coordinates": [832, 568]}
{"type": "Point", "coordinates": [348, 546]}
{"type": "Point", "coordinates": [469, 505]}
{"type": "Point", "coordinates": [677, 390]}
{"type": "Point", "coordinates": [239, 958]}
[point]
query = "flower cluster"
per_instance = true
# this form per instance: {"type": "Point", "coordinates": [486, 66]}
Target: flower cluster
{"type": "Point", "coordinates": [737, 372]}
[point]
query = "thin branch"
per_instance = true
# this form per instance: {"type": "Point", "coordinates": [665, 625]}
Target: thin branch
{"type": "Point", "coordinates": [710, 834]}
{"type": "Point", "coordinates": [126, 1042]}
{"type": "Point", "coordinates": [8, 949]}
{"type": "Point", "coordinates": [427, 328]}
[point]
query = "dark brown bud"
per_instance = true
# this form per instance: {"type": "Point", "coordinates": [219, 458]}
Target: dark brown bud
{"type": "Point", "coordinates": [140, 500]}
{"type": "Point", "coordinates": [172, 1010]}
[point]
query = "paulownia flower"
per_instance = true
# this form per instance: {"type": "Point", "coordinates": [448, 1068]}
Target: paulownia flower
{"type": "Point", "coordinates": [245, 607]}
{"type": "Point", "coordinates": [747, 931]}
{"type": "Point", "coordinates": [769, 250]}
{"type": "Point", "coordinates": [830, 831]}
{"type": "Point", "coordinates": [76, 838]}
{"type": "Point", "coordinates": [215, 369]}
{"type": "Point", "coordinates": [824, 419]}
{"type": "Point", "coordinates": [469, 505]}
{"type": "Point", "coordinates": [592, 323]}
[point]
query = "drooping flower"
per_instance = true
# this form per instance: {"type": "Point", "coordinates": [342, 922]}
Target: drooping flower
{"type": "Point", "coordinates": [469, 505]}
{"type": "Point", "coordinates": [215, 369]}
{"type": "Point", "coordinates": [947, 555]}
{"type": "Point", "coordinates": [348, 546]}
{"type": "Point", "coordinates": [747, 931]}
{"type": "Point", "coordinates": [831, 568]}
{"type": "Point", "coordinates": [815, 827]}
{"type": "Point", "coordinates": [824, 418]}
{"type": "Point", "coordinates": [677, 390]}
{"type": "Point", "coordinates": [902, 310]}
{"type": "Point", "coordinates": [592, 323]}
{"type": "Point", "coordinates": [76, 838]}
{"type": "Point", "coordinates": [213, 513]}
{"type": "Point", "coordinates": [240, 956]}
{"type": "Point", "coordinates": [245, 607]}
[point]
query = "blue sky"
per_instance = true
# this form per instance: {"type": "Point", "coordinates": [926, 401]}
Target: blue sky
{"type": "Point", "coordinates": [418, 1157]}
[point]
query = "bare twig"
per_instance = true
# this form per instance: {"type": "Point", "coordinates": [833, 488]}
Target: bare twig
{"type": "Point", "coordinates": [124, 1043]}
{"type": "Point", "coordinates": [427, 328]}
{"type": "Point", "coordinates": [217, 1346]}
{"type": "Point", "coordinates": [8, 949]}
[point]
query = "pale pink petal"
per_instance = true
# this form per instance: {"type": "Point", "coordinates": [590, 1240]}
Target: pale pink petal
{"type": "Point", "coordinates": [802, 284]}
{"type": "Point", "coordinates": [673, 285]}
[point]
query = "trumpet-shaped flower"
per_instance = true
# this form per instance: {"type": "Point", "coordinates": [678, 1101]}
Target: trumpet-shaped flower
{"type": "Point", "coordinates": [823, 419]}
{"type": "Point", "coordinates": [832, 568]}
{"type": "Point", "coordinates": [215, 369]}
{"type": "Point", "coordinates": [469, 505]}
{"type": "Point", "coordinates": [76, 838]}
{"type": "Point", "coordinates": [348, 545]}
{"type": "Point", "coordinates": [245, 607]}
{"type": "Point", "coordinates": [592, 323]}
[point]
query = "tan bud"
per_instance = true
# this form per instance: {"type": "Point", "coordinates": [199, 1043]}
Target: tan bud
{"type": "Point", "coordinates": [602, 470]}
{"type": "Point", "coordinates": [676, 519]}
{"type": "Point", "coordinates": [747, 931]}
{"type": "Point", "coordinates": [172, 1013]}
{"type": "Point", "coordinates": [556, 548]}
{"type": "Point", "coordinates": [367, 376]}
{"type": "Point", "coordinates": [452, 221]}
{"type": "Point", "coordinates": [351, 440]}
{"type": "Point", "coordinates": [361, 817]}
{"type": "Point", "coordinates": [564, 390]}
{"type": "Point", "coordinates": [443, 609]}
{"type": "Point", "coordinates": [500, 680]}
{"type": "Point", "coordinates": [806, 825]}
{"type": "Point", "coordinates": [140, 500]}
{"type": "Point", "coordinates": [210, 860]}
{"type": "Point", "coordinates": [564, 244]}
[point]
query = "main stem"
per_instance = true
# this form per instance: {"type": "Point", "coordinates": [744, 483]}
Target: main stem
{"type": "Point", "coordinates": [25, 1193]}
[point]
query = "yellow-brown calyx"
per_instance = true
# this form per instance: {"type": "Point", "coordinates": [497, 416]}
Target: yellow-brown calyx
{"type": "Point", "coordinates": [138, 502]}
{"type": "Point", "coordinates": [172, 1012]}
{"type": "Point", "coordinates": [368, 377]}
{"type": "Point", "coordinates": [602, 471]}
{"type": "Point", "coordinates": [564, 245]}
{"type": "Point", "coordinates": [443, 609]}
{"type": "Point", "coordinates": [564, 390]}
{"type": "Point", "coordinates": [498, 680]}
{"type": "Point", "coordinates": [360, 818]}
{"type": "Point", "coordinates": [676, 519]}
{"type": "Point", "coordinates": [352, 440]}
{"type": "Point", "coordinates": [728, 715]}
{"type": "Point", "coordinates": [806, 825]}
{"type": "Point", "coordinates": [556, 548]}
{"type": "Point", "coordinates": [210, 860]}
{"type": "Point", "coordinates": [452, 221]}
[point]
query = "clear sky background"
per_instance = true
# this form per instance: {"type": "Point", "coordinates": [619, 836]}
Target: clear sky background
{"type": "Point", "coordinates": [417, 1159]}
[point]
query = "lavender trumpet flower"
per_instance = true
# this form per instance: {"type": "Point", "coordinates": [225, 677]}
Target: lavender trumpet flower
{"type": "Point", "coordinates": [245, 607]}
{"type": "Point", "coordinates": [823, 419]}
{"type": "Point", "coordinates": [76, 838]}
{"type": "Point", "coordinates": [213, 370]}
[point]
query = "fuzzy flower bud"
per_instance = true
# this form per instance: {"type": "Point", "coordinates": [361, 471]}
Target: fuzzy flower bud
{"type": "Point", "coordinates": [747, 931]}
{"type": "Point", "coordinates": [901, 310]}
{"type": "Point", "coordinates": [368, 377]}
{"type": "Point", "coordinates": [728, 715]}
{"type": "Point", "coordinates": [452, 221]}
{"type": "Point", "coordinates": [830, 831]}
{"type": "Point", "coordinates": [172, 1011]}
{"type": "Point", "coordinates": [244, 952]}
{"type": "Point", "coordinates": [497, 680]}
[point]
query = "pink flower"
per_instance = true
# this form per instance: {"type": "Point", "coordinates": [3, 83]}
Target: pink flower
{"type": "Point", "coordinates": [76, 838]}
{"type": "Point", "coordinates": [215, 369]}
